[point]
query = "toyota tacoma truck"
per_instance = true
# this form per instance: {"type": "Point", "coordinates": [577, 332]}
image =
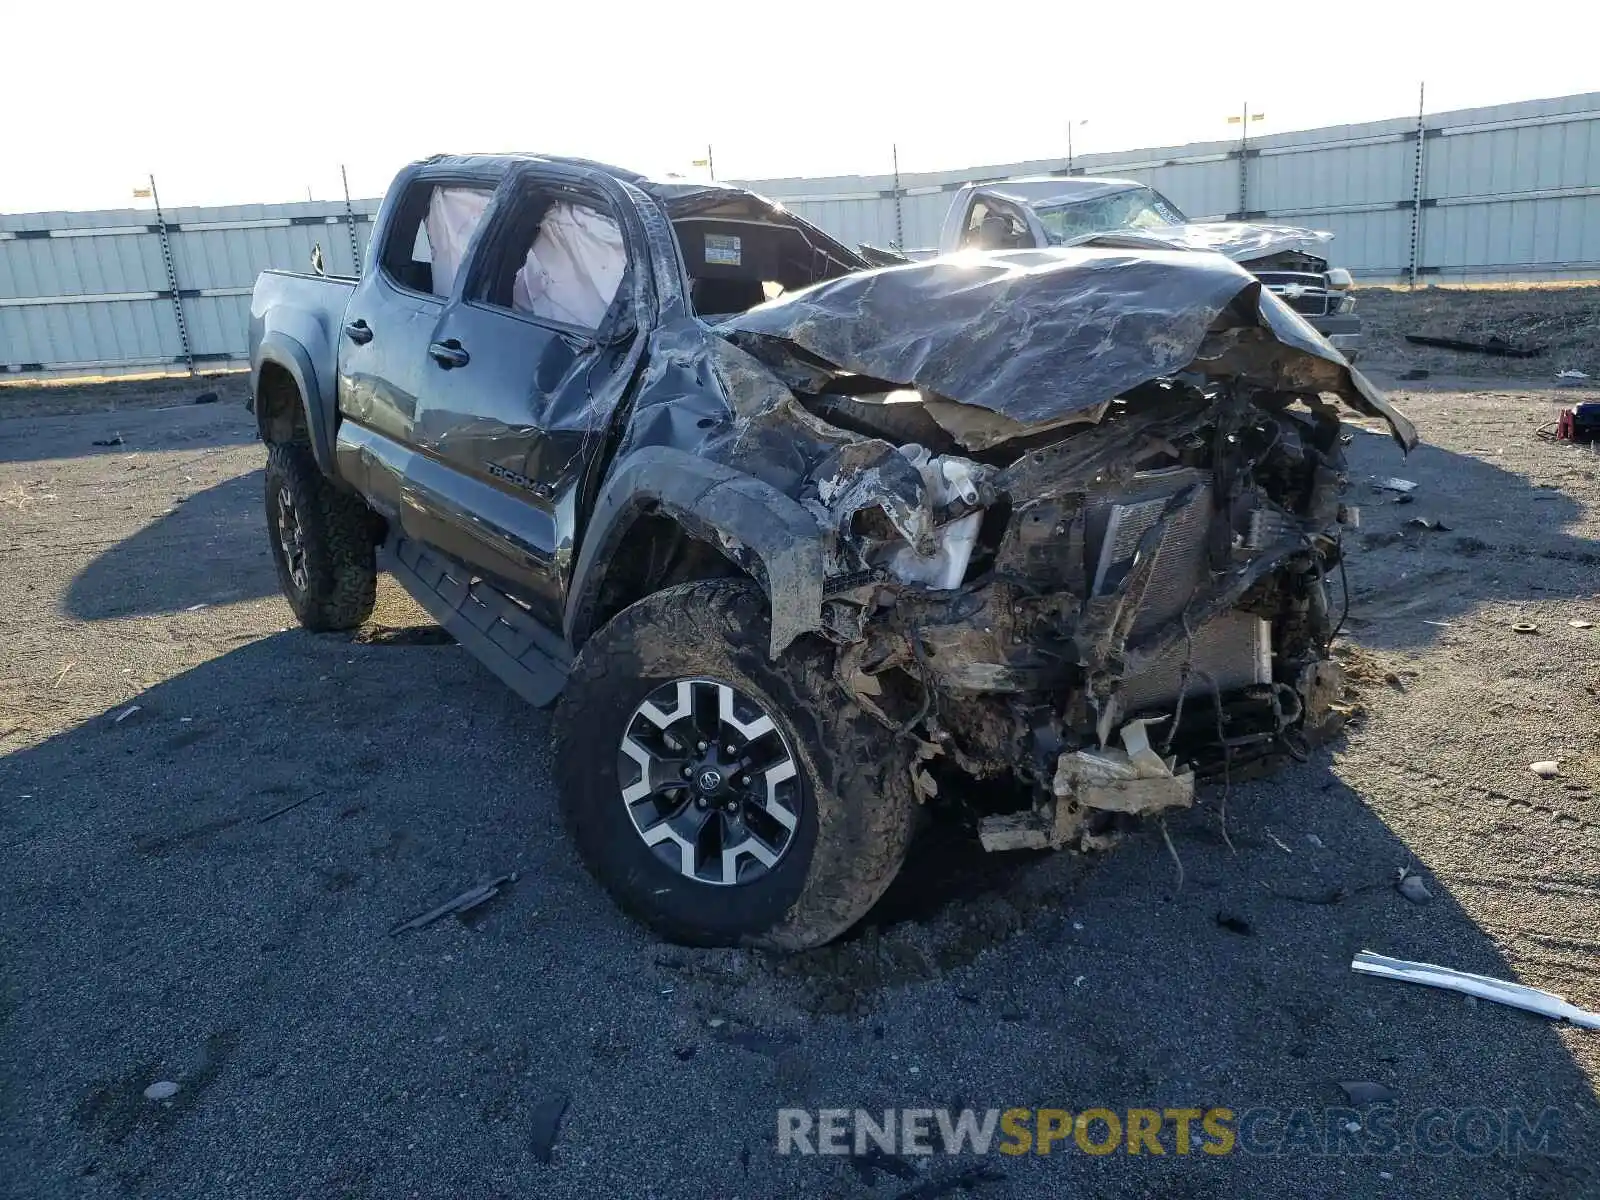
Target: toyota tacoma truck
{"type": "Point", "coordinates": [1051, 210]}
{"type": "Point", "coordinates": [806, 553]}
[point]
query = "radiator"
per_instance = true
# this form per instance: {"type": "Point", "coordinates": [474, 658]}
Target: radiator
{"type": "Point", "coordinates": [1235, 649]}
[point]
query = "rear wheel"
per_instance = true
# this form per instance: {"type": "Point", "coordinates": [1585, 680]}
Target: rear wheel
{"type": "Point", "coordinates": [721, 797]}
{"type": "Point", "coordinates": [321, 541]}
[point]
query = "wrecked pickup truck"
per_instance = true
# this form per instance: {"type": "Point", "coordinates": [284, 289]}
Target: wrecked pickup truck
{"type": "Point", "coordinates": [1051, 210]}
{"type": "Point", "coordinates": [800, 545]}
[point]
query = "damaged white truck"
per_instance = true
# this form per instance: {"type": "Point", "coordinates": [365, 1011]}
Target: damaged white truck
{"type": "Point", "coordinates": [795, 544]}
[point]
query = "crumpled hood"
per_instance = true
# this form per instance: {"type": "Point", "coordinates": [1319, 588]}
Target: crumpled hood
{"type": "Point", "coordinates": [1038, 335]}
{"type": "Point", "coordinates": [1239, 240]}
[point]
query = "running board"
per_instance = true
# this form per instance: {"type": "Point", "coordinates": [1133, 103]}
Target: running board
{"type": "Point", "coordinates": [496, 630]}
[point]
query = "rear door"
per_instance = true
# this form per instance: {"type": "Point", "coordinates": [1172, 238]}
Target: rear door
{"type": "Point", "coordinates": [429, 219]}
{"type": "Point", "coordinates": [522, 373]}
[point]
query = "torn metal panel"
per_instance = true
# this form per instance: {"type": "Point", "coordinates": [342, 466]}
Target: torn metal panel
{"type": "Point", "coordinates": [1033, 335]}
{"type": "Point", "coordinates": [1037, 336]}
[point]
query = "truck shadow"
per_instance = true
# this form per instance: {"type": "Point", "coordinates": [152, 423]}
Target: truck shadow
{"type": "Point", "coordinates": [233, 853]}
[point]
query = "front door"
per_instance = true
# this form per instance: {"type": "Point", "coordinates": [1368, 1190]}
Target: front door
{"type": "Point", "coordinates": [519, 383]}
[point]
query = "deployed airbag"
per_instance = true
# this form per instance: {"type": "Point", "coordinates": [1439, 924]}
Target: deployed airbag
{"type": "Point", "coordinates": [573, 269]}
{"type": "Point", "coordinates": [453, 217]}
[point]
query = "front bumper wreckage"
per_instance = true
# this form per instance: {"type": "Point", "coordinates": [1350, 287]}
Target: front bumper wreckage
{"type": "Point", "coordinates": [1083, 506]}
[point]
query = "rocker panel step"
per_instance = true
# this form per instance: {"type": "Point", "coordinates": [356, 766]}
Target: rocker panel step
{"type": "Point", "coordinates": [530, 659]}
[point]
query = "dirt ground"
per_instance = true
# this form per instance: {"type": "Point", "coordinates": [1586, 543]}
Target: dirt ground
{"type": "Point", "coordinates": [1558, 321]}
{"type": "Point", "coordinates": [211, 820]}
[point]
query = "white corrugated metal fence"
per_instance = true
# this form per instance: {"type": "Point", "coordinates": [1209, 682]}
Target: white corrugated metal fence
{"type": "Point", "coordinates": [1504, 193]}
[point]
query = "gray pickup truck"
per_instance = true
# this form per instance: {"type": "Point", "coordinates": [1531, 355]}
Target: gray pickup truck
{"type": "Point", "coordinates": [809, 553]}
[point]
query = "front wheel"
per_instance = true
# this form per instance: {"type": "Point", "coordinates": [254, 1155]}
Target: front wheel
{"type": "Point", "coordinates": [321, 542]}
{"type": "Point", "coordinates": [719, 796]}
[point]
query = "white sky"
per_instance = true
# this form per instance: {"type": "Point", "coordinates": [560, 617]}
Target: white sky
{"type": "Point", "coordinates": [233, 103]}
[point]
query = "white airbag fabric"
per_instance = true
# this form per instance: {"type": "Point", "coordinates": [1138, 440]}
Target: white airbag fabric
{"type": "Point", "coordinates": [453, 216]}
{"type": "Point", "coordinates": [573, 269]}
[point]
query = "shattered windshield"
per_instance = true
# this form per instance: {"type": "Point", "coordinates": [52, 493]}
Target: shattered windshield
{"type": "Point", "coordinates": [1136, 208]}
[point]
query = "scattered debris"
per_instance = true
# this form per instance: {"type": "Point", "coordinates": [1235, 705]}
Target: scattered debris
{"type": "Point", "coordinates": [1279, 842]}
{"type": "Point", "coordinates": [1394, 484]}
{"type": "Point", "coordinates": [1524, 627]}
{"type": "Point", "coordinates": [1581, 624]}
{"type": "Point", "coordinates": [1315, 841]}
{"type": "Point", "coordinates": [114, 440]}
{"type": "Point", "coordinates": [63, 675]}
{"type": "Point", "coordinates": [1235, 924]}
{"type": "Point", "coordinates": [293, 804]}
{"type": "Point", "coordinates": [544, 1123]}
{"type": "Point", "coordinates": [206, 398]}
{"type": "Point", "coordinates": [163, 1089]}
{"type": "Point", "coordinates": [125, 714]}
{"type": "Point", "coordinates": [716, 1023]}
{"type": "Point", "coordinates": [1441, 624]}
{"type": "Point", "coordinates": [466, 901]}
{"type": "Point", "coordinates": [1415, 373]}
{"type": "Point", "coordinates": [1484, 987]}
{"type": "Point", "coordinates": [1429, 523]}
{"type": "Point", "coordinates": [1496, 346]}
{"type": "Point", "coordinates": [1410, 885]}
{"type": "Point", "coordinates": [1362, 1092]}
{"type": "Point", "coordinates": [1545, 769]}
{"type": "Point", "coordinates": [197, 607]}
{"type": "Point", "coordinates": [1572, 378]}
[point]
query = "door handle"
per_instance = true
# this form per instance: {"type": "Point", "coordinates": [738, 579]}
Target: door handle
{"type": "Point", "coordinates": [448, 354]}
{"type": "Point", "coordinates": [359, 332]}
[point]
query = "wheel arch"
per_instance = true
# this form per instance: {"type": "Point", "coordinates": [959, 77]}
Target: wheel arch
{"type": "Point", "coordinates": [289, 404]}
{"type": "Point", "coordinates": [738, 520]}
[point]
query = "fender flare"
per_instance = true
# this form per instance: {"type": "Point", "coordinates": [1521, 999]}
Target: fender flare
{"type": "Point", "coordinates": [282, 350]}
{"type": "Point", "coordinates": [716, 504]}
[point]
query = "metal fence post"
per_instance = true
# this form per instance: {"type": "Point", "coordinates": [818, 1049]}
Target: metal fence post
{"type": "Point", "coordinates": [350, 216]}
{"type": "Point", "coordinates": [172, 278]}
{"type": "Point", "coordinates": [1244, 164]}
{"type": "Point", "coordinates": [899, 215]}
{"type": "Point", "coordinates": [1416, 189]}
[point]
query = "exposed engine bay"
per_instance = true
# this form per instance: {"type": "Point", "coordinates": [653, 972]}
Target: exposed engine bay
{"type": "Point", "coordinates": [1086, 517]}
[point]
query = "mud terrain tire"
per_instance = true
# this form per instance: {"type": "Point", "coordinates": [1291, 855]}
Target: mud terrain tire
{"type": "Point", "coordinates": [328, 569]}
{"type": "Point", "coordinates": [856, 803]}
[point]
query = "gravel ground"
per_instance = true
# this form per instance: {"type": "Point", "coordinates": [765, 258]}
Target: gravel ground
{"type": "Point", "coordinates": [201, 891]}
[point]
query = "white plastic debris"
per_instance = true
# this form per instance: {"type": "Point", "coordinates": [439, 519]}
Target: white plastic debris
{"type": "Point", "coordinates": [1546, 768]}
{"type": "Point", "coordinates": [1572, 376]}
{"type": "Point", "coordinates": [1580, 623]}
{"type": "Point", "coordinates": [947, 479]}
{"type": "Point", "coordinates": [1403, 486]}
{"type": "Point", "coordinates": [125, 714]}
{"type": "Point", "coordinates": [1485, 987]}
{"type": "Point", "coordinates": [164, 1089]}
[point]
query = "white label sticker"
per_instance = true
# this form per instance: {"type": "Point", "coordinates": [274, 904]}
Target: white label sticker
{"type": "Point", "coordinates": [722, 249]}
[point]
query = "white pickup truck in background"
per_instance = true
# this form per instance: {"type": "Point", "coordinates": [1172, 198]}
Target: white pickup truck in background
{"type": "Point", "coordinates": [1067, 211]}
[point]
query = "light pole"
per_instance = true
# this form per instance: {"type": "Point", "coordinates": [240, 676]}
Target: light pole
{"type": "Point", "coordinates": [1070, 124]}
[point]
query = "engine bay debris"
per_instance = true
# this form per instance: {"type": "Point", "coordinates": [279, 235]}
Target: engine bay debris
{"type": "Point", "coordinates": [1065, 499]}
